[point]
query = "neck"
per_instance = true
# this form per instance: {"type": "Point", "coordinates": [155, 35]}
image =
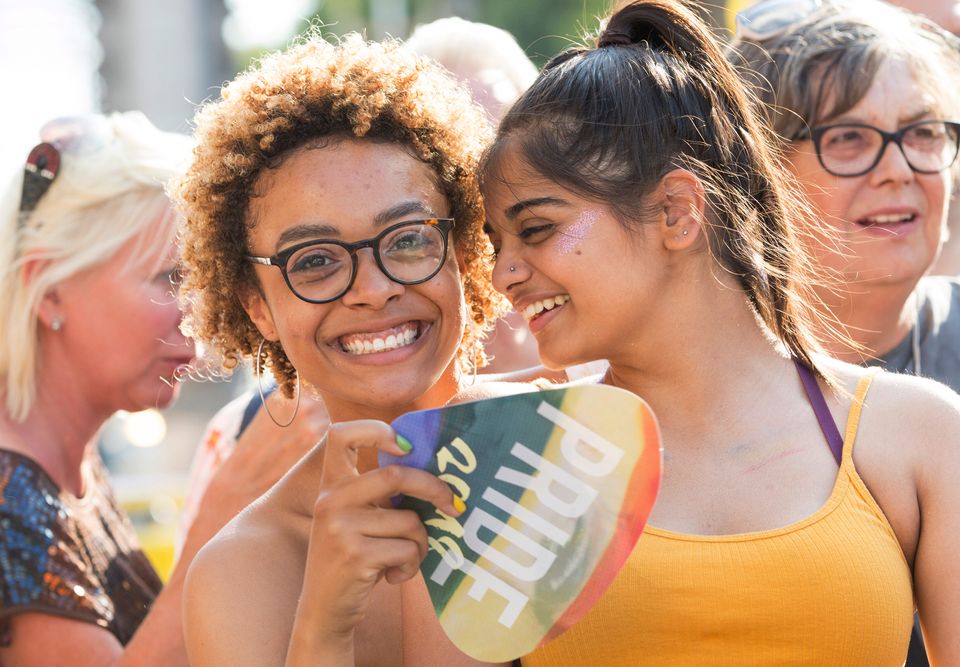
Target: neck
{"type": "Point", "coordinates": [712, 365]}
{"type": "Point", "coordinates": [438, 394]}
{"type": "Point", "coordinates": [59, 433]}
{"type": "Point", "coordinates": [303, 489]}
{"type": "Point", "coordinates": [876, 319]}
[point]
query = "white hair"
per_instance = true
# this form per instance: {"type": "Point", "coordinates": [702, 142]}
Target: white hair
{"type": "Point", "coordinates": [478, 53]}
{"type": "Point", "coordinates": [110, 189]}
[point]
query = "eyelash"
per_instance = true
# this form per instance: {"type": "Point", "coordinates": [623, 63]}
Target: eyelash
{"type": "Point", "coordinates": [530, 232]}
{"type": "Point", "coordinates": [527, 235]}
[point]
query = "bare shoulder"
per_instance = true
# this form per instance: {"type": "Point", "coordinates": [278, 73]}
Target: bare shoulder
{"type": "Point", "coordinates": [242, 588]}
{"type": "Point", "coordinates": [919, 418]}
{"type": "Point", "coordinates": [907, 445]}
{"type": "Point", "coordinates": [493, 389]}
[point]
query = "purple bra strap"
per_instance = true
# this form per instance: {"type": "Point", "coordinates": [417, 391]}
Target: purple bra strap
{"type": "Point", "coordinates": [819, 405]}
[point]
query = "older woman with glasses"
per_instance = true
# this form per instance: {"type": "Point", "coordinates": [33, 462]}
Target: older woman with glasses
{"type": "Point", "coordinates": [89, 324]}
{"type": "Point", "coordinates": [864, 97]}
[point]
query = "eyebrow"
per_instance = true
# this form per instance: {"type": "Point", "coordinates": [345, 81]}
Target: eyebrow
{"type": "Point", "coordinates": [925, 111]}
{"type": "Point", "coordinates": [305, 232]}
{"type": "Point", "coordinates": [516, 209]}
{"type": "Point", "coordinates": [319, 231]}
{"type": "Point", "coordinates": [904, 120]}
{"type": "Point", "coordinates": [402, 210]}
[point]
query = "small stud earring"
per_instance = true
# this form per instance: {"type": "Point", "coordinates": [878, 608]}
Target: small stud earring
{"type": "Point", "coordinates": [56, 324]}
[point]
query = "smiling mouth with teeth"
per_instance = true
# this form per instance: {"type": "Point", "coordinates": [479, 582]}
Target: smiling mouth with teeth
{"type": "Point", "coordinates": [381, 341]}
{"type": "Point", "coordinates": [543, 305]}
{"type": "Point", "coordinates": [891, 219]}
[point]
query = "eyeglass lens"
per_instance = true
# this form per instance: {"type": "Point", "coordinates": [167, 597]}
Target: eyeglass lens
{"type": "Point", "coordinates": [408, 254]}
{"type": "Point", "coordinates": [848, 150]}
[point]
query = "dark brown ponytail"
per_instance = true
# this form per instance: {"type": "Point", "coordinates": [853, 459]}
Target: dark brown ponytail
{"type": "Point", "coordinates": [655, 93]}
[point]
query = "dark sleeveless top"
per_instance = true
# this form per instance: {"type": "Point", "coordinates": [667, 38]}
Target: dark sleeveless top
{"type": "Point", "coordinates": [67, 556]}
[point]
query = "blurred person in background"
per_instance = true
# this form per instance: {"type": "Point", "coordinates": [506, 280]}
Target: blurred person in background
{"type": "Point", "coordinates": [861, 93]}
{"type": "Point", "coordinates": [89, 325]}
{"type": "Point", "coordinates": [486, 58]}
{"type": "Point", "coordinates": [286, 427]}
{"type": "Point", "coordinates": [863, 96]}
{"type": "Point", "coordinates": [947, 14]}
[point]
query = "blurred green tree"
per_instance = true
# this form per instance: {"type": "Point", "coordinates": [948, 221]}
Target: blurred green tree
{"type": "Point", "coordinates": [541, 27]}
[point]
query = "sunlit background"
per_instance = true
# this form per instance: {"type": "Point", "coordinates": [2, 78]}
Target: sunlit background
{"type": "Point", "coordinates": [66, 57]}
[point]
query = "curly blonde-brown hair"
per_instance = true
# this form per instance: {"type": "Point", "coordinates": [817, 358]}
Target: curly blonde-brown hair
{"type": "Point", "coordinates": [315, 89]}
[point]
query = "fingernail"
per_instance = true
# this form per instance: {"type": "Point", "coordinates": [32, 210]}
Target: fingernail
{"type": "Point", "coordinates": [404, 444]}
{"type": "Point", "coordinates": [458, 504]}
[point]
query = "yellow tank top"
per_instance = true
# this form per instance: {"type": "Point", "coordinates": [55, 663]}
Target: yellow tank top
{"type": "Point", "coordinates": [831, 589]}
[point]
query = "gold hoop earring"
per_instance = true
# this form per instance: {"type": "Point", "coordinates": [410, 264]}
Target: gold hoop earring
{"type": "Point", "coordinates": [263, 401]}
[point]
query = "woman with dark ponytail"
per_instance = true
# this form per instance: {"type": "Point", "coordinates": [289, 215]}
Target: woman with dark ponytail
{"type": "Point", "coordinates": [640, 215]}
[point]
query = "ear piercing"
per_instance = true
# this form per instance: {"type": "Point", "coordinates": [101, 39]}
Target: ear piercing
{"type": "Point", "coordinates": [56, 324]}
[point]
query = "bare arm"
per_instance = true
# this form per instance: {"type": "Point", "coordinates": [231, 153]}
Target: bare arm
{"type": "Point", "coordinates": [936, 571]}
{"type": "Point", "coordinates": [264, 453]}
{"type": "Point", "coordinates": [241, 590]}
{"type": "Point", "coordinates": [43, 639]}
{"type": "Point", "coordinates": [355, 540]}
{"type": "Point", "coordinates": [909, 455]}
{"type": "Point", "coordinates": [260, 458]}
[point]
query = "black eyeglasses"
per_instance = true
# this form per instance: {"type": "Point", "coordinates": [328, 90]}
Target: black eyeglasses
{"type": "Point", "coordinates": [853, 149]}
{"type": "Point", "coordinates": [322, 271]}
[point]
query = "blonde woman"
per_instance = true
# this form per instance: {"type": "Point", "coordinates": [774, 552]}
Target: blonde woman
{"type": "Point", "coordinates": [89, 324]}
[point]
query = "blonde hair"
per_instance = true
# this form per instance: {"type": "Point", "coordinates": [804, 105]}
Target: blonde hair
{"type": "Point", "coordinates": [315, 90]}
{"type": "Point", "coordinates": [109, 190]}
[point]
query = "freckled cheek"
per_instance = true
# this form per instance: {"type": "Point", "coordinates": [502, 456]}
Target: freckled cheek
{"type": "Point", "coordinates": [446, 293]}
{"type": "Point", "coordinates": [300, 328]}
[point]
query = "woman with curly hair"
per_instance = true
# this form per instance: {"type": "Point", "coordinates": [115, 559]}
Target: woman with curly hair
{"type": "Point", "coordinates": [334, 235]}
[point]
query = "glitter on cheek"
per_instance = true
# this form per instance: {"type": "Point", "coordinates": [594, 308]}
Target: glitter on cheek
{"type": "Point", "coordinates": [571, 237]}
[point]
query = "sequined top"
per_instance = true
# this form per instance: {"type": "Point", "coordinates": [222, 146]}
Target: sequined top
{"type": "Point", "coordinates": [72, 557]}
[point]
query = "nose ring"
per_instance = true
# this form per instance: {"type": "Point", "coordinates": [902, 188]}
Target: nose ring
{"type": "Point", "coordinates": [512, 269]}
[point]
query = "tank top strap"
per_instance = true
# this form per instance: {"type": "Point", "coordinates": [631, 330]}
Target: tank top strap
{"type": "Point", "coordinates": [819, 404]}
{"type": "Point", "coordinates": [856, 408]}
{"type": "Point", "coordinates": [840, 446]}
